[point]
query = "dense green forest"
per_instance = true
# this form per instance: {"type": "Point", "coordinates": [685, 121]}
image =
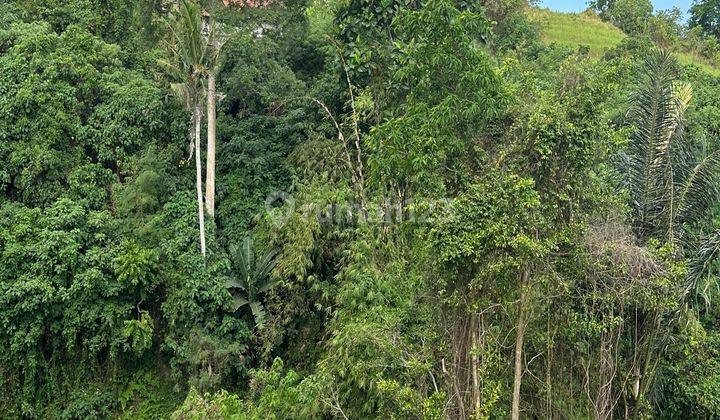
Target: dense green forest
{"type": "Point", "coordinates": [394, 209]}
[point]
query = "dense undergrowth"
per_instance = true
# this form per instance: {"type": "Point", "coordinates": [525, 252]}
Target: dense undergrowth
{"type": "Point", "coordinates": [422, 209]}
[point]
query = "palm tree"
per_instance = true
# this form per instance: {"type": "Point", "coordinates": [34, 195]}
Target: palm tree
{"type": "Point", "coordinates": [187, 65]}
{"type": "Point", "coordinates": [705, 270]}
{"type": "Point", "coordinates": [671, 187]}
{"type": "Point", "coordinates": [253, 277]}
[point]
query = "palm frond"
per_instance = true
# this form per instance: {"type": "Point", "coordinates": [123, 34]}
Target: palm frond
{"type": "Point", "coordinates": [188, 52]}
{"type": "Point", "coordinates": [190, 34]}
{"type": "Point", "coordinates": [239, 302]}
{"type": "Point", "coordinates": [252, 276]}
{"type": "Point", "coordinates": [700, 189]}
{"type": "Point", "coordinates": [705, 269]}
{"type": "Point", "coordinates": [183, 93]}
{"type": "Point", "coordinates": [241, 265]}
{"type": "Point", "coordinates": [258, 312]}
{"type": "Point", "coordinates": [264, 266]}
{"type": "Point", "coordinates": [217, 36]}
{"type": "Point", "coordinates": [652, 116]}
{"type": "Point", "coordinates": [248, 255]}
{"type": "Point", "coordinates": [234, 284]}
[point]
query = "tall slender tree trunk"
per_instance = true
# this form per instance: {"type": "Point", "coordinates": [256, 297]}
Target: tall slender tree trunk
{"type": "Point", "coordinates": [475, 348]}
{"type": "Point", "coordinates": [198, 177]}
{"type": "Point", "coordinates": [519, 339]}
{"type": "Point", "coordinates": [210, 165]}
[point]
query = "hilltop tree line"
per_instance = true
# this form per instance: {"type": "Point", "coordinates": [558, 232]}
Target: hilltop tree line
{"type": "Point", "coordinates": [697, 32]}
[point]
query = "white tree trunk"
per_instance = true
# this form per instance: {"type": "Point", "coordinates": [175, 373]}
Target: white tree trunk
{"type": "Point", "coordinates": [475, 334]}
{"type": "Point", "coordinates": [519, 339]}
{"type": "Point", "coordinates": [210, 165]}
{"type": "Point", "coordinates": [198, 177]}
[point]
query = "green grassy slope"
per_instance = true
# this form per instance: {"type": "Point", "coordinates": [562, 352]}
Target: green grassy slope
{"type": "Point", "coordinates": [688, 58]}
{"type": "Point", "coordinates": [576, 29]}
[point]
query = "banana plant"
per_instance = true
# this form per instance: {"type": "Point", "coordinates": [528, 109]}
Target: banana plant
{"type": "Point", "coordinates": [252, 277]}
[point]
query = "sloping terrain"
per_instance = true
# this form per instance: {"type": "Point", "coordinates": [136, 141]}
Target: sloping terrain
{"type": "Point", "coordinates": [576, 29]}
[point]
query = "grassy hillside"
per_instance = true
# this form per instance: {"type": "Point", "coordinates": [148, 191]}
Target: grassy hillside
{"type": "Point", "coordinates": [575, 29]}
{"type": "Point", "coordinates": [688, 58]}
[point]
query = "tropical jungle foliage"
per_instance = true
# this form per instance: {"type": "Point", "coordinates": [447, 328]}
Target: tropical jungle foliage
{"type": "Point", "coordinates": [403, 209]}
